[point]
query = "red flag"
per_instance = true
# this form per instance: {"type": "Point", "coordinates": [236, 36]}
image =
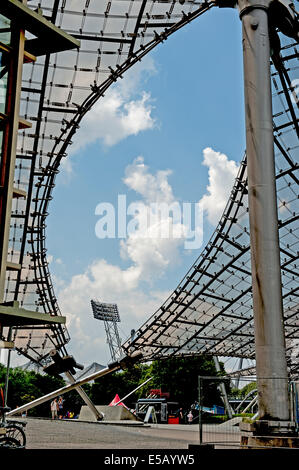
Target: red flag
{"type": "Point", "coordinates": [116, 400]}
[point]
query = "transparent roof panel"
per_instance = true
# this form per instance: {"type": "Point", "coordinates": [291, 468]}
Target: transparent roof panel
{"type": "Point", "coordinates": [211, 309]}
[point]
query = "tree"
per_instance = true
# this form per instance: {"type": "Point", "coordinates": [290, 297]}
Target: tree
{"type": "Point", "coordinates": [105, 388]}
{"type": "Point", "coordinates": [176, 375]}
{"type": "Point", "coordinates": [179, 377]}
{"type": "Point", "coordinates": [25, 386]}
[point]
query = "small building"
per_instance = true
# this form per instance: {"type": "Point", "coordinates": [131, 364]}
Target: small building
{"type": "Point", "coordinates": [163, 408]}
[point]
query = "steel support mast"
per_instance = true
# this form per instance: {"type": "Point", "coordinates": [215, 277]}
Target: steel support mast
{"type": "Point", "coordinates": [271, 365]}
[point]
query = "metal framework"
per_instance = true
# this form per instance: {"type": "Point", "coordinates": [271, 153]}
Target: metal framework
{"type": "Point", "coordinates": [57, 91]}
{"type": "Point", "coordinates": [15, 18]}
{"type": "Point", "coordinates": [109, 314]}
{"type": "Point", "coordinates": [210, 312]}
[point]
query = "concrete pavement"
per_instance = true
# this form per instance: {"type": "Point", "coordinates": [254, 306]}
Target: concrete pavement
{"type": "Point", "coordinates": [74, 434]}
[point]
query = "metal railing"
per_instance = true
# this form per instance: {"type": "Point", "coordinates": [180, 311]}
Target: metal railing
{"type": "Point", "coordinates": [221, 432]}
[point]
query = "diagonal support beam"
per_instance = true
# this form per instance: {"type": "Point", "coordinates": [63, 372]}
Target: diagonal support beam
{"type": "Point", "coordinates": [124, 363]}
{"type": "Point", "coordinates": [63, 390]}
{"type": "Point", "coordinates": [97, 414]}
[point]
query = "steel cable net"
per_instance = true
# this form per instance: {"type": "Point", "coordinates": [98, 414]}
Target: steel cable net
{"type": "Point", "coordinates": [210, 312]}
{"type": "Point", "coordinates": [57, 91]}
{"type": "Point", "coordinates": [211, 309]}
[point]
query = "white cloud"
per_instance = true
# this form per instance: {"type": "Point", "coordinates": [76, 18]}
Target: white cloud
{"type": "Point", "coordinates": [222, 173]}
{"type": "Point", "coordinates": [137, 75]}
{"type": "Point", "coordinates": [153, 188]}
{"type": "Point", "coordinates": [154, 246]}
{"type": "Point", "coordinates": [113, 119]}
{"type": "Point", "coordinates": [149, 256]}
{"type": "Point", "coordinates": [107, 283]}
{"type": "Point", "coordinates": [66, 168]}
{"type": "Point", "coordinates": [51, 259]}
{"type": "Point", "coordinates": [125, 110]}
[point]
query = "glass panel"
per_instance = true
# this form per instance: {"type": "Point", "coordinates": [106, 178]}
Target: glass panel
{"type": "Point", "coordinates": [5, 32]}
{"type": "Point", "coordinates": [4, 60]}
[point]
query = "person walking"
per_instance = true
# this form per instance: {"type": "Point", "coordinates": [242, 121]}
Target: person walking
{"type": "Point", "coordinates": [60, 407]}
{"type": "Point", "coordinates": [181, 415]}
{"type": "Point", "coordinates": [54, 409]}
{"type": "Point", "coordinates": [190, 417]}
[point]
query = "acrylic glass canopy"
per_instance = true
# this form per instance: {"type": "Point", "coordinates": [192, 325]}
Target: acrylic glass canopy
{"type": "Point", "coordinates": [210, 311]}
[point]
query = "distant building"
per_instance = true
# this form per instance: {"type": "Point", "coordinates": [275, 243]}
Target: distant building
{"type": "Point", "coordinates": [32, 366]}
{"type": "Point", "coordinates": [91, 369]}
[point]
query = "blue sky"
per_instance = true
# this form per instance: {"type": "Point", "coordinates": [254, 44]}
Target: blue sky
{"type": "Point", "coordinates": [187, 96]}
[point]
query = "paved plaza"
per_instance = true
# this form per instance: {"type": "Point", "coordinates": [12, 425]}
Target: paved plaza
{"type": "Point", "coordinates": [61, 434]}
{"type": "Point", "coordinates": [73, 434]}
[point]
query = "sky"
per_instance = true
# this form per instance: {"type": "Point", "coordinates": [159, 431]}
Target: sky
{"type": "Point", "coordinates": [172, 130]}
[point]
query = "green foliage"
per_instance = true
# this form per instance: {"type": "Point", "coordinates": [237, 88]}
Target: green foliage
{"type": "Point", "coordinates": [177, 376]}
{"type": "Point", "coordinates": [235, 393]}
{"type": "Point", "coordinates": [244, 415]}
{"type": "Point", "coordinates": [241, 393]}
{"type": "Point", "coordinates": [248, 388]}
{"type": "Point", "coordinates": [25, 386]}
{"type": "Point", "coordinates": [213, 419]}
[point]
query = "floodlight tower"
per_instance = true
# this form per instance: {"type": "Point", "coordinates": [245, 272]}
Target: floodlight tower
{"type": "Point", "coordinates": [109, 314]}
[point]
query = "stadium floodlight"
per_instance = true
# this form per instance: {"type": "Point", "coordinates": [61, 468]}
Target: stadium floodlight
{"type": "Point", "coordinates": [103, 311]}
{"type": "Point", "coordinates": [109, 314]}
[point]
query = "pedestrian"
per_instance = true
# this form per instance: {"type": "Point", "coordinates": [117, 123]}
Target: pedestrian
{"type": "Point", "coordinates": [54, 409]}
{"type": "Point", "coordinates": [181, 415]}
{"type": "Point", "coordinates": [190, 417]}
{"type": "Point", "coordinates": [60, 407]}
